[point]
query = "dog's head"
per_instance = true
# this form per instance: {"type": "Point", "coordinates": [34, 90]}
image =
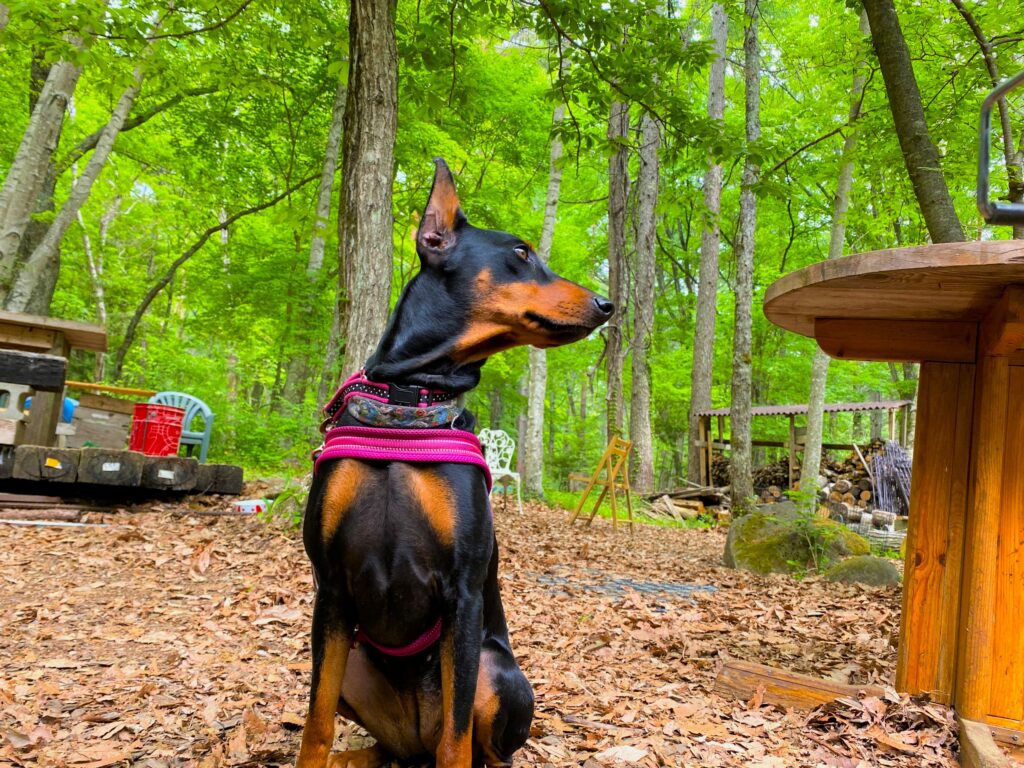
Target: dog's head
{"type": "Point", "coordinates": [510, 296]}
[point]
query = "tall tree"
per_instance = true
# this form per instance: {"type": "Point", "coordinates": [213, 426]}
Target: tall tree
{"type": "Point", "coordinates": [742, 381]}
{"type": "Point", "coordinates": [643, 303]}
{"type": "Point", "coordinates": [920, 155]}
{"type": "Point", "coordinates": [532, 442]}
{"type": "Point", "coordinates": [840, 205]}
{"type": "Point", "coordinates": [710, 242]}
{"type": "Point", "coordinates": [365, 216]}
{"type": "Point", "coordinates": [618, 195]}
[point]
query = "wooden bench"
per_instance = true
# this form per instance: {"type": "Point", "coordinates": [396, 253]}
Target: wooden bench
{"type": "Point", "coordinates": [44, 337]}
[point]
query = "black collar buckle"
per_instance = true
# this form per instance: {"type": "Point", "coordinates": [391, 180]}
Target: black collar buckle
{"type": "Point", "coordinates": [399, 395]}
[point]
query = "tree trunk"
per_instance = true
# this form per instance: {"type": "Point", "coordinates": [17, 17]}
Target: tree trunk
{"type": "Point", "coordinates": [31, 165]}
{"type": "Point", "coordinates": [532, 442]}
{"type": "Point", "coordinates": [299, 369]}
{"type": "Point", "coordinates": [740, 420]}
{"type": "Point", "coordinates": [618, 192]}
{"type": "Point", "coordinates": [330, 168]}
{"type": "Point", "coordinates": [920, 155]}
{"type": "Point", "coordinates": [643, 303]}
{"type": "Point", "coordinates": [33, 286]}
{"type": "Point", "coordinates": [809, 471]}
{"type": "Point", "coordinates": [5, 16]}
{"type": "Point", "coordinates": [365, 217]}
{"type": "Point", "coordinates": [710, 241]}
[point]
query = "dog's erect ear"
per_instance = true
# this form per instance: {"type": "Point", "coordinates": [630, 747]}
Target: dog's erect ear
{"type": "Point", "coordinates": [442, 218]}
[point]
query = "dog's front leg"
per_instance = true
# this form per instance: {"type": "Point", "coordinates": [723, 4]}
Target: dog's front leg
{"type": "Point", "coordinates": [460, 664]}
{"type": "Point", "coordinates": [330, 645]}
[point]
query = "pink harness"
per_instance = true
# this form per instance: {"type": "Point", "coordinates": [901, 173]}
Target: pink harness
{"type": "Point", "coordinates": [410, 445]}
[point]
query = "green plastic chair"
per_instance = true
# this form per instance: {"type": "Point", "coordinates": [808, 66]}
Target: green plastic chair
{"type": "Point", "coordinates": [193, 407]}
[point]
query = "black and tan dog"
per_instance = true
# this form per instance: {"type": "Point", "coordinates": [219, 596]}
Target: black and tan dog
{"type": "Point", "coordinates": [399, 548]}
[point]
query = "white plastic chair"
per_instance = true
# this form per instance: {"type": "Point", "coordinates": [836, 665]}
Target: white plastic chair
{"type": "Point", "coordinates": [498, 448]}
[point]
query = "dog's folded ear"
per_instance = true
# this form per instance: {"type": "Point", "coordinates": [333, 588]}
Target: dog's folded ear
{"type": "Point", "coordinates": [442, 218]}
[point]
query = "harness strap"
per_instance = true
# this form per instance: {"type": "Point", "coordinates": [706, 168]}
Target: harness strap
{"type": "Point", "coordinates": [396, 394]}
{"type": "Point", "coordinates": [420, 644]}
{"type": "Point", "coordinates": [410, 445]}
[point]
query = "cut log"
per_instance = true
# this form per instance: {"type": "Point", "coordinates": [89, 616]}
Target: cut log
{"type": "Point", "coordinates": [170, 473]}
{"type": "Point", "coordinates": [835, 496]}
{"type": "Point", "coordinates": [842, 486]}
{"type": "Point", "coordinates": [864, 484]}
{"type": "Point", "coordinates": [849, 498]}
{"type": "Point", "coordinates": [67, 515]}
{"type": "Point", "coordinates": [864, 495]}
{"type": "Point", "coordinates": [38, 462]}
{"type": "Point", "coordinates": [219, 478]}
{"type": "Point", "coordinates": [742, 679]}
{"type": "Point", "coordinates": [775, 491]}
{"type": "Point", "coordinates": [44, 373]}
{"type": "Point", "coordinates": [110, 467]}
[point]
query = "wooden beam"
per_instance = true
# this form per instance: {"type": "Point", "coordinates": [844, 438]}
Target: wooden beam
{"type": "Point", "coordinates": [44, 373]}
{"type": "Point", "coordinates": [936, 341]}
{"type": "Point", "coordinates": [1002, 332]}
{"type": "Point", "coordinates": [742, 679]}
{"type": "Point", "coordinates": [977, 747]}
{"type": "Point", "coordinates": [110, 388]}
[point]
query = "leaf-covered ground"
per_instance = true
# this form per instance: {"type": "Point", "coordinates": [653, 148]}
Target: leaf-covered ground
{"type": "Point", "coordinates": [167, 639]}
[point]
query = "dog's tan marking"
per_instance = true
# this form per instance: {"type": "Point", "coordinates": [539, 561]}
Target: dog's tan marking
{"type": "Point", "coordinates": [342, 488]}
{"type": "Point", "coordinates": [435, 499]}
{"type": "Point", "coordinates": [485, 708]}
{"type": "Point", "coordinates": [455, 749]}
{"type": "Point", "coordinates": [370, 757]}
{"type": "Point", "coordinates": [318, 734]}
{"type": "Point", "coordinates": [499, 318]}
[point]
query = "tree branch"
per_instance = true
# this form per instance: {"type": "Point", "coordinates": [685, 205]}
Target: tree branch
{"type": "Point", "coordinates": [181, 35]}
{"type": "Point", "coordinates": [89, 142]}
{"type": "Point", "coordinates": [163, 282]}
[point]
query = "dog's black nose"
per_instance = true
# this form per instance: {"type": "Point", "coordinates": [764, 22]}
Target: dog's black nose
{"type": "Point", "coordinates": [604, 306]}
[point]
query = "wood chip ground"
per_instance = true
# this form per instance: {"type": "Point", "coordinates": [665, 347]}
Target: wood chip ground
{"type": "Point", "coordinates": [168, 639]}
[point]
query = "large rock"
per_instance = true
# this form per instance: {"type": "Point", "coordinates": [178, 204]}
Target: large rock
{"type": "Point", "coordinates": [865, 569]}
{"type": "Point", "coordinates": [774, 539]}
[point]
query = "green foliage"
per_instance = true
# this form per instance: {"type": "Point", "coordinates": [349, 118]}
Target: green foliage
{"type": "Point", "coordinates": [240, 111]}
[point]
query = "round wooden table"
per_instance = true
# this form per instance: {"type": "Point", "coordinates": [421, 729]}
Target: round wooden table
{"type": "Point", "coordinates": [958, 309]}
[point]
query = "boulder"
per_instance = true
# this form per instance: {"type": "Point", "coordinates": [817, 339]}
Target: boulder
{"type": "Point", "coordinates": [865, 569]}
{"type": "Point", "coordinates": [774, 539]}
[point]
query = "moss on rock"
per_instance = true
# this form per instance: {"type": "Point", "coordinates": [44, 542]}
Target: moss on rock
{"type": "Point", "coordinates": [865, 569]}
{"type": "Point", "coordinates": [778, 538]}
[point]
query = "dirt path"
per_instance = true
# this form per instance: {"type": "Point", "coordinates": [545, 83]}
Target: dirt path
{"type": "Point", "coordinates": [168, 640]}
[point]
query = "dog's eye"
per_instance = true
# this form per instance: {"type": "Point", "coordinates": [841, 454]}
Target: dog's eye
{"type": "Point", "coordinates": [522, 252]}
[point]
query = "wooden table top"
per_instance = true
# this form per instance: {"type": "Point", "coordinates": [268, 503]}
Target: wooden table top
{"type": "Point", "coordinates": [78, 335]}
{"type": "Point", "coordinates": [948, 281]}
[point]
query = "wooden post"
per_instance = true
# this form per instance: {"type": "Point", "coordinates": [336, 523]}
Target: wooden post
{"type": "Point", "coordinates": [47, 406]}
{"type": "Point", "coordinates": [926, 655]}
{"type": "Point", "coordinates": [792, 450]}
{"type": "Point", "coordinates": [706, 452]}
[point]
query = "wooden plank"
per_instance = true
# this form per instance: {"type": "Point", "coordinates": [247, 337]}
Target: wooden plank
{"type": "Point", "coordinates": [742, 679]}
{"type": "Point", "coordinates": [946, 281]}
{"type": "Point", "coordinates": [981, 540]}
{"type": "Point", "coordinates": [170, 473]}
{"type": "Point", "coordinates": [1007, 694]}
{"type": "Point", "coordinates": [105, 403]}
{"type": "Point", "coordinates": [37, 462]}
{"type": "Point", "coordinates": [25, 338]}
{"type": "Point", "coordinates": [219, 478]}
{"type": "Point", "coordinates": [112, 389]}
{"type": "Point", "coordinates": [6, 462]}
{"type": "Point", "coordinates": [1002, 332]}
{"type": "Point", "coordinates": [41, 422]}
{"type": "Point", "coordinates": [44, 373]}
{"type": "Point", "coordinates": [105, 466]}
{"type": "Point", "coordinates": [1009, 734]}
{"type": "Point", "coordinates": [977, 747]}
{"type": "Point", "coordinates": [908, 340]}
{"type": "Point", "coordinates": [79, 335]}
{"type": "Point", "coordinates": [926, 654]}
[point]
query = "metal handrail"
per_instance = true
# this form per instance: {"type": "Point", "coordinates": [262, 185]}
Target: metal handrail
{"type": "Point", "coordinates": [993, 212]}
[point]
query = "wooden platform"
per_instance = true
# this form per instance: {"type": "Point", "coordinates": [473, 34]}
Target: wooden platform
{"type": "Point", "coordinates": [44, 469]}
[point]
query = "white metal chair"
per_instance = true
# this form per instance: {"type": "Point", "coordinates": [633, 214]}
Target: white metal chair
{"type": "Point", "coordinates": [498, 448]}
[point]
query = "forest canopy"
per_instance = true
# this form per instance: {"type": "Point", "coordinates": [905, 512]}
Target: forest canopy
{"type": "Point", "coordinates": [180, 159]}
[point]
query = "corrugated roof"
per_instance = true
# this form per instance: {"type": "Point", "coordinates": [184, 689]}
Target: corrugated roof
{"type": "Point", "coordinates": [799, 410]}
